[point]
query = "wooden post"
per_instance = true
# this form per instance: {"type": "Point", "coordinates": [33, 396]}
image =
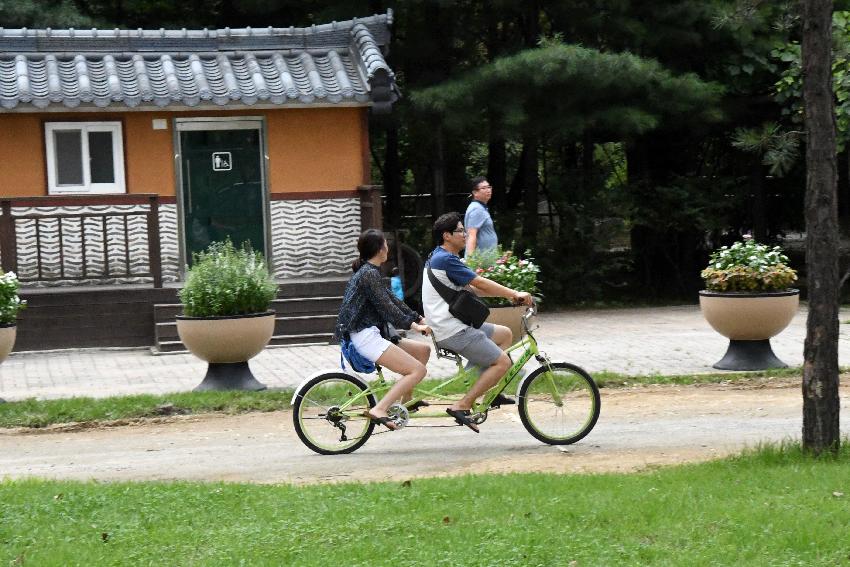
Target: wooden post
{"type": "Point", "coordinates": [8, 238]}
{"type": "Point", "coordinates": [371, 213]}
{"type": "Point", "coordinates": [154, 244]}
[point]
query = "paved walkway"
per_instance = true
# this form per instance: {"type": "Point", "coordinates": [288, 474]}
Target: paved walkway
{"type": "Point", "coordinates": [639, 341]}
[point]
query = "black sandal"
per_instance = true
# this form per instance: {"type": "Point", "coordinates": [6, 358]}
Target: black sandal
{"type": "Point", "coordinates": [502, 400]}
{"type": "Point", "coordinates": [417, 406]}
{"type": "Point", "coordinates": [462, 418]}
{"type": "Point", "coordinates": [386, 421]}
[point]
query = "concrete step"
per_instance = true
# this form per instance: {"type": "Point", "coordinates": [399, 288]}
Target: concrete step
{"type": "Point", "coordinates": [306, 312]}
{"type": "Point", "coordinates": [166, 312]}
{"type": "Point", "coordinates": [177, 347]}
{"type": "Point", "coordinates": [299, 325]}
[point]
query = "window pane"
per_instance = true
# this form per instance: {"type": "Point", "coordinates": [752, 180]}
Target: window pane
{"type": "Point", "coordinates": [69, 157]}
{"type": "Point", "coordinates": [100, 157]}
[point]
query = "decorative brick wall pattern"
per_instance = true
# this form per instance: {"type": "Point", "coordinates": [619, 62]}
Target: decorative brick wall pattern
{"type": "Point", "coordinates": [169, 243]}
{"type": "Point", "coordinates": [127, 251]}
{"type": "Point", "coordinates": [314, 238]}
{"type": "Point", "coordinates": [310, 238]}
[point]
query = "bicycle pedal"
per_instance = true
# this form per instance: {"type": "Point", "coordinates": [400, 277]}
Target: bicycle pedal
{"type": "Point", "coordinates": [502, 400]}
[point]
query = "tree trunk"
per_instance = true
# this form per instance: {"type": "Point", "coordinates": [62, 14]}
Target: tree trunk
{"type": "Point", "coordinates": [820, 368]}
{"type": "Point", "coordinates": [497, 164]}
{"type": "Point", "coordinates": [587, 148]}
{"type": "Point", "coordinates": [529, 194]}
{"type": "Point", "coordinates": [759, 200]}
{"type": "Point", "coordinates": [514, 195]}
{"type": "Point", "coordinates": [392, 178]}
{"type": "Point", "coordinates": [438, 199]}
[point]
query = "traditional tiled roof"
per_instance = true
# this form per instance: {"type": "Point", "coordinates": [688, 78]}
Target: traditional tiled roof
{"type": "Point", "coordinates": [336, 63]}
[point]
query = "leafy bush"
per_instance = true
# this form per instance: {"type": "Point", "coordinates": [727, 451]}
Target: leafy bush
{"type": "Point", "coordinates": [748, 266]}
{"type": "Point", "coordinates": [519, 274]}
{"type": "Point", "coordinates": [10, 303]}
{"type": "Point", "coordinates": [225, 281]}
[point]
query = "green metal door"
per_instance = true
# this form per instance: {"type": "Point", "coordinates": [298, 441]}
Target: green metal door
{"type": "Point", "coordinates": [222, 178]}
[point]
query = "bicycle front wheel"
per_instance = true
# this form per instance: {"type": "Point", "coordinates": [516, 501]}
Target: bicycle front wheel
{"type": "Point", "coordinates": [328, 414]}
{"type": "Point", "coordinates": [560, 404]}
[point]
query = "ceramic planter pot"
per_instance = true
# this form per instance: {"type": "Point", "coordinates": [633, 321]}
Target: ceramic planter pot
{"type": "Point", "coordinates": [227, 343]}
{"type": "Point", "coordinates": [749, 320]}
{"type": "Point", "coordinates": [8, 332]}
{"type": "Point", "coordinates": [510, 317]}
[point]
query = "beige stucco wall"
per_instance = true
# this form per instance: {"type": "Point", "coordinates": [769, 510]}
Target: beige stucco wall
{"type": "Point", "coordinates": [310, 149]}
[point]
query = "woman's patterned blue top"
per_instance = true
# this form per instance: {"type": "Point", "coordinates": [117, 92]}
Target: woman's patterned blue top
{"type": "Point", "coordinates": [367, 302]}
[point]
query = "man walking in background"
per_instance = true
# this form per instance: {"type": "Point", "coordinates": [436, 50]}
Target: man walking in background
{"type": "Point", "coordinates": [481, 234]}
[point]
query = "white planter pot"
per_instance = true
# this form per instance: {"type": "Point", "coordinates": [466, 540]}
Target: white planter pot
{"type": "Point", "coordinates": [510, 317]}
{"type": "Point", "coordinates": [226, 339]}
{"type": "Point", "coordinates": [749, 320]}
{"type": "Point", "coordinates": [8, 332]}
{"type": "Point", "coordinates": [227, 343]}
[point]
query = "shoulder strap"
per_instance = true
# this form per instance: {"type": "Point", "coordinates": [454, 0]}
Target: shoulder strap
{"type": "Point", "coordinates": [447, 293]}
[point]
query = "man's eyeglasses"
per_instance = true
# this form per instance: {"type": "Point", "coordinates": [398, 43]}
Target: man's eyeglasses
{"type": "Point", "coordinates": [459, 230]}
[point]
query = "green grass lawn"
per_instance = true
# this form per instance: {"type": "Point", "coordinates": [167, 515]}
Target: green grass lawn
{"type": "Point", "coordinates": [41, 413]}
{"type": "Point", "coordinates": [772, 507]}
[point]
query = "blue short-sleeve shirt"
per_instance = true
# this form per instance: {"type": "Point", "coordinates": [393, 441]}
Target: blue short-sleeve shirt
{"type": "Point", "coordinates": [478, 217]}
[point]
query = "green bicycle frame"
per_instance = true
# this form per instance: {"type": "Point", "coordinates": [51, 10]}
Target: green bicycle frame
{"type": "Point", "coordinates": [528, 347]}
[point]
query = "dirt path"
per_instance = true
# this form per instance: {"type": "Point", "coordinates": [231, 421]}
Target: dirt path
{"type": "Point", "coordinates": [639, 428]}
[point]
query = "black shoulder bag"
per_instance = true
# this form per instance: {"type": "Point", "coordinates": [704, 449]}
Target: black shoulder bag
{"type": "Point", "coordinates": [463, 304]}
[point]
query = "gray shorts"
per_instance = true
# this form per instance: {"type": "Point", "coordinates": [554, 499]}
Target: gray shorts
{"type": "Point", "coordinates": [474, 345]}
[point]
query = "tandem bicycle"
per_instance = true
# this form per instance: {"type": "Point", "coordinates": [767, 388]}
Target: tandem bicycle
{"type": "Point", "coordinates": [558, 402]}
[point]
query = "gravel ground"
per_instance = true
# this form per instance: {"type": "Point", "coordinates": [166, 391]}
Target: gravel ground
{"type": "Point", "coordinates": [639, 428]}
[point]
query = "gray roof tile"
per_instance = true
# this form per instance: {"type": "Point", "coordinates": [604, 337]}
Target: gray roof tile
{"type": "Point", "coordinates": [331, 63]}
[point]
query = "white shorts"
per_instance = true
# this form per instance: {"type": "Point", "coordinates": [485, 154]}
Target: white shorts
{"type": "Point", "coordinates": [369, 343]}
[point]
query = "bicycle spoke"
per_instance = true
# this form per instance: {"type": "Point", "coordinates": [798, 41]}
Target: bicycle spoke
{"type": "Point", "coordinates": [559, 405]}
{"type": "Point", "coordinates": [328, 417]}
{"type": "Point", "coordinates": [315, 403]}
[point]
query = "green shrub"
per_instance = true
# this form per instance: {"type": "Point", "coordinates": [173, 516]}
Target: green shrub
{"type": "Point", "coordinates": [506, 268]}
{"type": "Point", "coordinates": [225, 281]}
{"type": "Point", "coordinates": [10, 303]}
{"type": "Point", "coordinates": [748, 266]}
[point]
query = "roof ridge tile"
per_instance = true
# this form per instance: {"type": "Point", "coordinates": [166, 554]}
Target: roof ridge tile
{"type": "Point", "coordinates": [323, 63]}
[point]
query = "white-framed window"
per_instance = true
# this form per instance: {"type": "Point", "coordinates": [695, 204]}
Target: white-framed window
{"type": "Point", "coordinates": [84, 157]}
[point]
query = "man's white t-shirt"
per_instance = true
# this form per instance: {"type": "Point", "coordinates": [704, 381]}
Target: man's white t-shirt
{"type": "Point", "coordinates": [453, 273]}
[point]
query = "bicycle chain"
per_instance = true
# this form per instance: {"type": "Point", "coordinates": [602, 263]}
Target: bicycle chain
{"type": "Point", "coordinates": [384, 430]}
{"type": "Point", "coordinates": [410, 427]}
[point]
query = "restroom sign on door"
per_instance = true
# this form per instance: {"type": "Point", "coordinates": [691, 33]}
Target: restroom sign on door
{"type": "Point", "coordinates": [222, 161]}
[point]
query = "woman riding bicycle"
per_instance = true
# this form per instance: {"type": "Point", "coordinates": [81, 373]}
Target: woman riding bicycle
{"type": "Point", "coordinates": [367, 306]}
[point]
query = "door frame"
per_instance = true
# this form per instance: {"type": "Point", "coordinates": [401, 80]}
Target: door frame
{"type": "Point", "coordinates": [220, 123]}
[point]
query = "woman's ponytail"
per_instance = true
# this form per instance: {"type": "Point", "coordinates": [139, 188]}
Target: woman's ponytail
{"type": "Point", "coordinates": [371, 242]}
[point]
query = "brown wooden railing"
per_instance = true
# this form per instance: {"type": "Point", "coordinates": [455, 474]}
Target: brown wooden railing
{"type": "Point", "coordinates": [9, 236]}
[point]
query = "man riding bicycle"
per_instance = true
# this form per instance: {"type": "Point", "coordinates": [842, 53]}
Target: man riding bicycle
{"type": "Point", "coordinates": [482, 347]}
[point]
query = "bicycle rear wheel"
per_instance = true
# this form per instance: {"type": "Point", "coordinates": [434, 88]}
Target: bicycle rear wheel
{"type": "Point", "coordinates": [559, 407]}
{"type": "Point", "coordinates": [325, 417]}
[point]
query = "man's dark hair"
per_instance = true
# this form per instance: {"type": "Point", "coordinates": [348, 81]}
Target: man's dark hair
{"type": "Point", "coordinates": [445, 223]}
{"type": "Point", "coordinates": [475, 182]}
{"type": "Point", "coordinates": [369, 244]}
